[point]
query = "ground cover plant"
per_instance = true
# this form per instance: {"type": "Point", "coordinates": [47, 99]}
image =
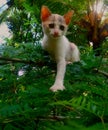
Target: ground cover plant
{"type": "Point", "coordinates": [27, 72]}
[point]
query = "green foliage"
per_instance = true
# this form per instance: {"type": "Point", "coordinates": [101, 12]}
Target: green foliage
{"type": "Point", "coordinates": [27, 72]}
{"type": "Point", "coordinates": [26, 101]}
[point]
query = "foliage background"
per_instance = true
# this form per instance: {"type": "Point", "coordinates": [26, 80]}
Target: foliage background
{"type": "Point", "coordinates": [25, 100]}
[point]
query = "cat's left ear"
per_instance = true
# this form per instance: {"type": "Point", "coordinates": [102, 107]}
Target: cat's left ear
{"type": "Point", "coordinates": [45, 13]}
{"type": "Point", "coordinates": [68, 16]}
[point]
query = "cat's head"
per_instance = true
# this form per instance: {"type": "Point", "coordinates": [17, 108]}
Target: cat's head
{"type": "Point", "coordinates": [55, 25]}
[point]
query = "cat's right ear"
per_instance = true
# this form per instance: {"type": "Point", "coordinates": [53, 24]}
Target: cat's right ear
{"type": "Point", "coordinates": [45, 13]}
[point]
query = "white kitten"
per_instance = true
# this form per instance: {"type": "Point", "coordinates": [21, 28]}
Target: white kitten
{"type": "Point", "coordinates": [54, 41]}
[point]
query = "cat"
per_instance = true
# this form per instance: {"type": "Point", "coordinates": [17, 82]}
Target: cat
{"type": "Point", "coordinates": [56, 44]}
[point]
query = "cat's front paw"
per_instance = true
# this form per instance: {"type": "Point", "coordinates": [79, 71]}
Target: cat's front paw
{"type": "Point", "coordinates": [55, 88]}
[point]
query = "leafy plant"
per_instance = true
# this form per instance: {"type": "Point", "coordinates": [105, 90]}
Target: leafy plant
{"type": "Point", "coordinates": [27, 72]}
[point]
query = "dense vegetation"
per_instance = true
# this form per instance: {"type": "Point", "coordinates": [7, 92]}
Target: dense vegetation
{"type": "Point", "coordinates": [27, 72]}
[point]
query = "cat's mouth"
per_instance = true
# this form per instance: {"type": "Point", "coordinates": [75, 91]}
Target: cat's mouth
{"type": "Point", "coordinates": [55, 35]}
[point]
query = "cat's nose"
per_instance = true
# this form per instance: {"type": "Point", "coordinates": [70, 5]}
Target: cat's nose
{"type": "Point", "coordinates": [56, 34]}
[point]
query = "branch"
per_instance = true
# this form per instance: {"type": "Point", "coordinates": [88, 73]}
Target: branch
{"type": "Point", "coordinates": [57, 118]}
{"type": "Point", "coordinates": [16, 60]}
{"type": "Point", "coordinates": [101, 72]}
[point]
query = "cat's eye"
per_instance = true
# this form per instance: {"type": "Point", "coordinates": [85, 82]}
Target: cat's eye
{"type": "Point", "coordinates": [51, 25]}
{"type": "Point", "coordinates": [62, 27]}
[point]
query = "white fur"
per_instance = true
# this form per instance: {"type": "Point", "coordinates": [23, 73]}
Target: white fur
{"type": "Point", "coordinates": [55, 42]}
{"type": "Point", "coordinates": [62, 51]}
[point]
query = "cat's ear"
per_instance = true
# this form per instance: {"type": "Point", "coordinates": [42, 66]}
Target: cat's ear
{"type": "Point", "coordinates": [68, 16]}
{"type": "Point", "coordinates": [45, 13]}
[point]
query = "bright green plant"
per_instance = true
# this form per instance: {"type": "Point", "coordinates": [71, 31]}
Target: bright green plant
{"type": "Point", "coordinates": [25, 99]}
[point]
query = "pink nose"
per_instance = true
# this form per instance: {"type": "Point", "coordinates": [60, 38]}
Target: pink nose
{"type": "Point", "coordinates": [56, 34]}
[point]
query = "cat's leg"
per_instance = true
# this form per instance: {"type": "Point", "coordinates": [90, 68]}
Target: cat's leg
{"type": "Point", "coordinates": [61, 68]}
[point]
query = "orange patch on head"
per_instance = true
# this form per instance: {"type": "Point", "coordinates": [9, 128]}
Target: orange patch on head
{"type": "Point", "coordinates": [68, 16]}
{"type": "Point", "coordinates": [45, 13]}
